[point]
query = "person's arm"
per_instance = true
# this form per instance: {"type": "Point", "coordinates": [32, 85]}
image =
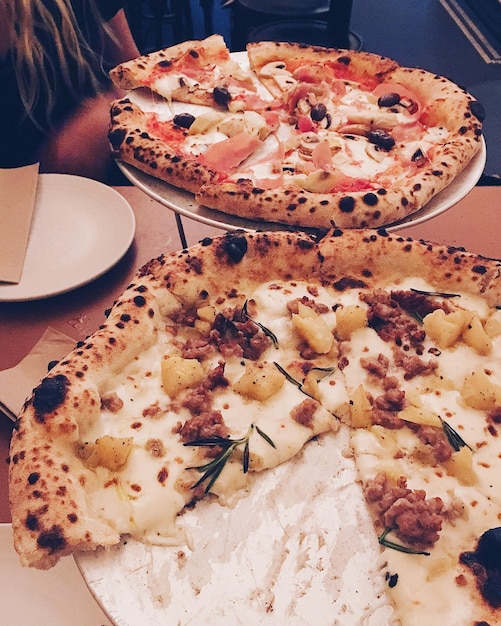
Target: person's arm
{"type": "Point", "coordinates": [79, 145]}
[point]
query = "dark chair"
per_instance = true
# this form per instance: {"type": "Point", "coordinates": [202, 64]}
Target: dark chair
{"type": "Point", "coordinates": [320, 23]}
{"type": "Point", "coordinates": [148, 19]}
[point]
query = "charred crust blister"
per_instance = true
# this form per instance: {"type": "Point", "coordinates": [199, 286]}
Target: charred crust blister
{"type": "Point", "coordinates": [52, 540]}
{"type": "Point", "coordinates": [478, 110]}
{"type": "Point", "coordinates": [49, 395]}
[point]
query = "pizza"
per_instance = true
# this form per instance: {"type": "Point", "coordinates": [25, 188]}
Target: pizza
{"type": "Point", "coordinates": [294, 134]}
{"type": "Point", "coordinates": [222, 361]}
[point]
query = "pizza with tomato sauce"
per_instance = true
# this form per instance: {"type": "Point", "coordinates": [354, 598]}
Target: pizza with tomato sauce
{"type": "Point", "coordinates": [306, 136]}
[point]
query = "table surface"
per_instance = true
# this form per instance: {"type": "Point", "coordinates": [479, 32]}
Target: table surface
{"type": "Point", "coordinates": [472, 224]}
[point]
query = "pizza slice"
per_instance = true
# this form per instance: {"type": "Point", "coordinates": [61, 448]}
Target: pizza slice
{"type": "Point", "coordinates": [282, 66]}
{"type": "Point", "coordinates": [197, 72]}
{"type": "Point", "coordinates": [420, 441]}
{"type": "Point", "coordinates": [190, 150]}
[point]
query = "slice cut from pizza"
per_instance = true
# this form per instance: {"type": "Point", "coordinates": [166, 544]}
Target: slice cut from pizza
{"type": "Point", "coordinates": [225, 359]}
{"type": "Point", "coordinates": [199, 72]}
{"type": "Point", "coordinates": [190, 150]}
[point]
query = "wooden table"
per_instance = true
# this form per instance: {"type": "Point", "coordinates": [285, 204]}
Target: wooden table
{"type": "Point", "coordinates": [473, 224]}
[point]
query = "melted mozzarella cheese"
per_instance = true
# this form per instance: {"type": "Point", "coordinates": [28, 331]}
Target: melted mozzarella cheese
{"type": "Point", "coordinates": [136, 500]}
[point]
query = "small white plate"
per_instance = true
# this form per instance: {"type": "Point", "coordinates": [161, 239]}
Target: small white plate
{"type": "Point", "coordinates": [56, 596]}
{"type": "Point", "coordinates": [80, 229]}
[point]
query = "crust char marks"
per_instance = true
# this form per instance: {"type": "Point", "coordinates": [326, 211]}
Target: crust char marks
{"type": "Point", "coordinates": [296, 206]}
{"type": "Point", "coordinates": [385, 258]}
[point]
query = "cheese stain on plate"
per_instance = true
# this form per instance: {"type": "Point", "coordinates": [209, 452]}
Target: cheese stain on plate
{"type": "Point", "coordinates": [298, 548]}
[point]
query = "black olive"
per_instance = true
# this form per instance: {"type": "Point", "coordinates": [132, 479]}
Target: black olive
{"type": "Point", "coordinates": [185, 120]}
{"type": "Point", "coordinates": [478, 110]}
{"type": "Point", "coordinates": [389, 99]}
{"type": "Point", "coordinates": [419, 158]}
{"type": "Point", "coordinates": [221, 95]}
{"type": "Point", "coordinates": [488, 551]}
{"type": "Point", "coordinates": [381, 139]}
{"type": "Point", "coordinates": [318, 112]}
{"type": "Point", "coordinates": [235, 247]}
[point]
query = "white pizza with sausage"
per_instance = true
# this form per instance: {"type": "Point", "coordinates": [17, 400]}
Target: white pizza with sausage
{"type": "Point", "coordinates": [224, 360]}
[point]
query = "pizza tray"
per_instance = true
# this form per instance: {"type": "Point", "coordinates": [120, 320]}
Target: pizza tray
{"type": "Point", "coordinates": [183, 202]}
{"type": "Point", "coordinates": [299, 544]}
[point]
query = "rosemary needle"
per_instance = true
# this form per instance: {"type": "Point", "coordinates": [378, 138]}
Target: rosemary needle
{"type": "Point", "coordinates": [387, 543]}
{"type": "Point", "coordinates": [439, 294]}
{"type": "Point", "coordinates": [455, 439]}
{"type": "Point", "coordinates": [212, 469]}
{"type": "Point", "coordinates": [266, 331]}
{"type": "Point", "coordinates": [325, 371]}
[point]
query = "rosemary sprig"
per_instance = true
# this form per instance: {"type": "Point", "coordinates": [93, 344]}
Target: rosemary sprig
{"type": "Point", "coordinates": [387, 543]}
{"type": "Point", "coordinates": [213, 468]}
{"type": "Point", "coordinates": [455, 439]}
{"type": "Point", "coordinates": [326, 371]}
{"type": "Point", "coordinates": [290, 378]}
{"type": "Point", "coordinates": [266, 331]}
{"type": "Point", "coordinates": [439, 294]}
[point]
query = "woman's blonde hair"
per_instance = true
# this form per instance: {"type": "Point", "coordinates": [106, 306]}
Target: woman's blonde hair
{"type": "Point", "coordinates": [63, 55]}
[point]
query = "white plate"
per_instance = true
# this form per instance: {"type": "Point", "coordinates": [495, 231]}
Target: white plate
{"type": "Point", "coordinates": [298, 549]}
{"type": "Point", "coordinates": [183, 202]}
{"type": "Point", "coordinates": [52, 598]}
{"type": "Point", "coordinates": [80, 229]}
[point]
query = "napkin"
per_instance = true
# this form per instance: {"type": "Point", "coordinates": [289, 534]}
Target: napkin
{"type": "Point", "coordinates": [17, 200]}
{"type": "Point", "coordinates": [17, 383]}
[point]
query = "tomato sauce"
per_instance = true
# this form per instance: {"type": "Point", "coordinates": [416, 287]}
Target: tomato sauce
{"type": "Point", "coordinates": [167, 131]}
{"type": "Point", "coordinates": [330, 71]}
